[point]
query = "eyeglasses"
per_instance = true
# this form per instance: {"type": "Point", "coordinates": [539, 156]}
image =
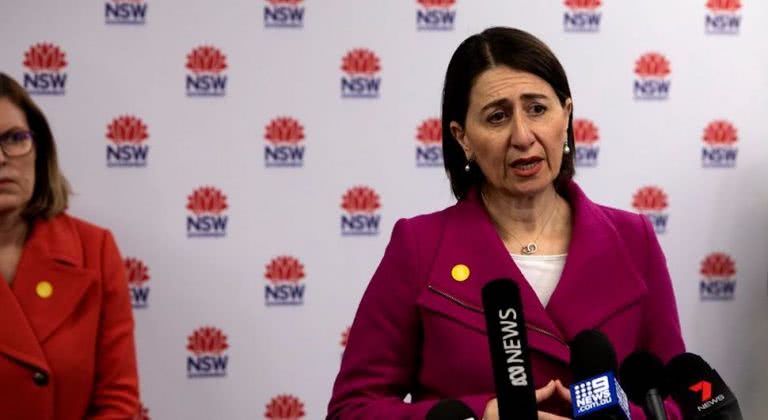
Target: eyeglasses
{"type": "Point", "coordinates": [15, 143]}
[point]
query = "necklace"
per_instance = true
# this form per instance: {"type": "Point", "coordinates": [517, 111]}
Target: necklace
{"type": "Point", "coordinates": [531, 248]}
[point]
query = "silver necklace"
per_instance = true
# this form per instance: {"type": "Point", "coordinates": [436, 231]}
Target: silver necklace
{"type": "Point", "coordinates": [531, 248]}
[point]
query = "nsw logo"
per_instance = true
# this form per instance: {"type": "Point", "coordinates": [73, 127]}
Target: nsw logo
{"type": "Point", "coordinates": [45, 63]}
{"type": "Point", "coordinates": [125, 12]}
{"type": "Point", "coordinates": [718, 277]}
{"type": "Point", "coordinates": [652, 202]}
{"type": "Point", "coordinates": [582, 16]}
{"type": "Point", "coordinates": [284, 14]}
{"type": "Point", "coordinates": [284, 277]}
{"type": "Point", "coordinates": [207, 205]}
{"type": "Point", "coordinates": [138, 276]}
{"type": "Point", "coordinates": [652, 82]}
{"type": "Point", "coordinates": [435, 15]}
{"type": "Point", "coordinates": [587, 139]}
{"type": "Point", "coordinates": [127, 134]}
{"type": "Point", "coordinates": [723, 17]}
{"type": "Point", "coordinates": [284, 407]}
{"type": "Point", "coordinates": [207, 346]}
{"type": "Point", "coordinates": [285, 138]}
{"type": "Point", "coordinates": [206, 78]}
{"type": "Point", "coordinates": [360, 217]}
{"type": "Point", "coordinates": [429, 140]}
{"type": "Point", "coordinates": [719, 150]}
{"type": "Point", "coordinates": [361, 68]}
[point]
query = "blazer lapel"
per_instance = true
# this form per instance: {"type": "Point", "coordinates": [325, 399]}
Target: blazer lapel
{"type": "Point", "coordinates": [599, 278]}
{"type": "Point", "coordinates": [470, 238]}
{"type": "Point", "coordinates": [17, 338]}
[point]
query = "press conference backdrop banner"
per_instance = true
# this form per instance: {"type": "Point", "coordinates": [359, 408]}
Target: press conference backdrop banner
{"type": "Point", "coordinates": [251, 158]}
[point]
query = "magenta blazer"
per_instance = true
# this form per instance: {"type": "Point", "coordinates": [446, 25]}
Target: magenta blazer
{"type": "Point", "coordinates": [419, 331]}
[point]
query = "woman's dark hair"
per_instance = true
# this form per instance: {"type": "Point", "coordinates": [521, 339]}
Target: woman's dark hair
{"type": "Point", "coordinates": [493, 47]}
{"type": "Point", "coordinates": [51, 192]}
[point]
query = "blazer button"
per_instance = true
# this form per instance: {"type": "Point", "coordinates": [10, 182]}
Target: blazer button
{"type": "Point", "coordinates": [40, 378]}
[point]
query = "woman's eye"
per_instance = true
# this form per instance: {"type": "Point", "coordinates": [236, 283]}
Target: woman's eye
{"type": "Point", "coordinates": [538, 109]}
{"type": "Point", "coordinates": [497, 116]}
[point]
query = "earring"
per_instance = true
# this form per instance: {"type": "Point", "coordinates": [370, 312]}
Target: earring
{"type": "Point", "coordinates": [566, 149]}
{"type": "Point", "coordinates": [467, 168]}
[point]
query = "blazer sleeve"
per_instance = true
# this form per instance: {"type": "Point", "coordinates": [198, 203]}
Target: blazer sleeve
{"type": "Point", "coordinates": [661, 334]}
{"type": "Point", "coordinates": [116, 389]}
{"type": "Point", "coordinates": [381, 361]}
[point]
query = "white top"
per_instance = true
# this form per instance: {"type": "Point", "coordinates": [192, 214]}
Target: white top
{"type": "Point", "coordinates": [542, 272]}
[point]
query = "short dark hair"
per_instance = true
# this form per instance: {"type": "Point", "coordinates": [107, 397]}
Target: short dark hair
{"type": "Point", "coordinates": [51, 192]}
{"type": "Point", "coordinates": [497, 46]}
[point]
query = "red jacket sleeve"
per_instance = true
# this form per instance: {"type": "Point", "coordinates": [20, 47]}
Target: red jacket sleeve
{"type": "Point", "coordinates": [116, 389]}
{"type": "Point", "coordinates": [381, 360]}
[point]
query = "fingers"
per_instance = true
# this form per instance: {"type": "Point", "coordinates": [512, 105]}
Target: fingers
{"type": "Point", "coordinates": [549, 416]}
{"type": "Point", "coordinates": [545, 392]}
{"type": "Point", "coordinates": [562, 391]}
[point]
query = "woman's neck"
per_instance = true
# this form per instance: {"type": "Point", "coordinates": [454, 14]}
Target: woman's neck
{"type": "Point", "coordinates": [13, 230]}
{"type": "Point", "coordinates": [523, 214]}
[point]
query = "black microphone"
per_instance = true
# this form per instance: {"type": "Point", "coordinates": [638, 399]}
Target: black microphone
{"type": "Point", "coordinates": [510, 356]}
{"type": "Point", "coordinates": [699, 391]}
{"type": "Point", "coordinates": [642, 377]}
{"type": "Point", "coordinates": [450, 410]}
{"type": "Point", "coordinates": [595, 392]}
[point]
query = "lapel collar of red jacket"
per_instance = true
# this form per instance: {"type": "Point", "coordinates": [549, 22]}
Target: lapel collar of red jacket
{"type": "Point", "coordinates": [52, 253]}
{"type": "Point", "coordinates": [470, 238]}
{"type": "Point", "coordinates": [599, 278]}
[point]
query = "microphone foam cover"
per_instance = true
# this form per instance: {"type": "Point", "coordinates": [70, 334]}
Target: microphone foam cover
{"type": "Point", "coordinates": [640, 372]}
{"type": "Point", "coordinates": [591, 355]}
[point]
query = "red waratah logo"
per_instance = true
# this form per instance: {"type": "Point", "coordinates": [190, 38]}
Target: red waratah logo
{"type": "Point", "coordinates": [345, 337]}
{"type": "Point", "coordinates": [724, 5]}
{"type": "Point", "coordinates": [285, 2]}
{"type": "Point", "coordinates": [207, 200]}
{"type": "Point", "coordinates": [718, 265]}
{"type": "Point", "coordinates": [652, 65]}
{"type": "Point", "coordinates": [44, 57]}
{"type": "Point", "coordinates": [207, 340]}
{"type": "Point", "coordinates": [206, 59]}
{"type": "Point", "coordinates": [284, 130]}
{"type": "Point", "coordinates": [137, 272]}
{"type": "Point", "coordinates": [649, 199]}
{"type": "Point", "coordinates": [285, 407]}
{"type": "Point", "coordinates": [430, 132]}
{"type": "Point", "coordinates": [720, 133]}
{"type": "Point", "coordinates": [284, 269]}
{"type": "Point", "coordinates": [360, 200]}
{"type": "Point", "coordinates": [585, 132]}
{"type": "Point", "coordinates": [360, 61]}
{"type": "Point", "coordinates": [583, 4]}
{"type": "Point", "coordinates": [436, 3]}
{"type": "Point", "coordinates": [127, 129]}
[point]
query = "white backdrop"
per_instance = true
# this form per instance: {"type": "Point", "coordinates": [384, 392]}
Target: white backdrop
{"type": "Point", "coordinates": [280, 62]}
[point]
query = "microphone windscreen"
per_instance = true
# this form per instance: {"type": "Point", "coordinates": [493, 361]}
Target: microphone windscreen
{"type": "Point", "coordinates": [450, 410]}
{"type": "Point", "coordinates": [640, 372]}
{"type": "Point", "coordinates": [592, 354]}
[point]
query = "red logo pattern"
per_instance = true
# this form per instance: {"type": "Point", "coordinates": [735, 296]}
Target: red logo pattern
{"type": "Point", "coordinates": [127, 129]}
{"type": "Point", "coordinates": [650, 199]}
{"type": "Point", "coordinates": [430, 132]}
{"type": "Point", "coordinates": [724, 5]}
{"type": "Point", "coordinates": [720, 133]}
{"type": "Point", "coordinates": [436, 3]}
{"type": "Point", "coordinates": [137, 272]}
{"type": "Point", "coordinates": [652, 65]}
{"type": "Point", "coordinates": [284, 130]}
{"type": "Point", "coordinates": [44, 57]}
{"type": "Point", "coordinates": [284, 269]}
{"type": "Point", "coordinates": [360, 200]}
{"type": "Point", "coordinates": [718, 265]}
{"type": "Point", "coordinates": [361, 61]}
{"type": "Point", "coordinates": [206, 59]}
{"type": "Point", "coordinates": [207, 340]}
{"type": "Point", "coordinates": [583, 4]}
{"type": "Point", "coordinates": [585, 132]}
{"type": "Point", "coordinates": [285, 2]}
{"type": "Point", "coordinates": [207, 200]}
{"type": "Point", "coordinates": [285, 407]}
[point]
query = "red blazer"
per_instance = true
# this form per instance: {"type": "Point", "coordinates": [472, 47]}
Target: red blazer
{"type": "Point", "coordinates": [69, 355]}
{"type": "Point", "coordinates": [419, 331]}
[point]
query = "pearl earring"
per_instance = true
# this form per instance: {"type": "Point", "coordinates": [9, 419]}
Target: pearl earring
{"type": "Point", "coordinates": [467, 168]}
{"type": "Point", "coordinates": [566, 149]}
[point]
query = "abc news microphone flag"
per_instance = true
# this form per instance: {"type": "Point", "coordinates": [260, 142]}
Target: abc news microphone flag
{"type": "Point", "coordinates": [251, 159]}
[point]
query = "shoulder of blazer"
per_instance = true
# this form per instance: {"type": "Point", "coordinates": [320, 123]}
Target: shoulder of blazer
{"type": "Point", "coordinates": [67, 238]}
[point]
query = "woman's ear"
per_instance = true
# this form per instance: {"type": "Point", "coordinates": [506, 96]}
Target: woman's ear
{"type": "Point", "coordinates": [461, 137]}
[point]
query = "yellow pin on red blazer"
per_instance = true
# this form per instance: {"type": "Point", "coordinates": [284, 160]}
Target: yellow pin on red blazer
{"type": "Point", "coordinates": [66, 341]}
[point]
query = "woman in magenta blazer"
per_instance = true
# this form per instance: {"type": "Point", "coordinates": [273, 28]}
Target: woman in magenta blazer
{"type": "Point", "coordinates": [66, 341]}
{"type": "Point", "coordinates": [508, 150]}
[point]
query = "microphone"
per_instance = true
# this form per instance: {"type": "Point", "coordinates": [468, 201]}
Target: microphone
{"type": "Point", "coordinates": [699, 391]}
{"type": "Point", "coordinates": [642, 377]}
{"type": "Point", "coordinates": [595, 393]}
{"type": "Point", "coordinates": [510, 356]}
{"type": "Point", "coordinates": [450, 410]}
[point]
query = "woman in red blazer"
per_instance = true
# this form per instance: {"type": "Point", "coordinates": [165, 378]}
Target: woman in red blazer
{"type": "Point", "coordinates": [66, 343]}
{"type": "Point", "coordinates": [507, 147]}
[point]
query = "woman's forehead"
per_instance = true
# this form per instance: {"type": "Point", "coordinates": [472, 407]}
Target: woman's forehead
{"type": "Point", "coordinates": [504, 82]}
